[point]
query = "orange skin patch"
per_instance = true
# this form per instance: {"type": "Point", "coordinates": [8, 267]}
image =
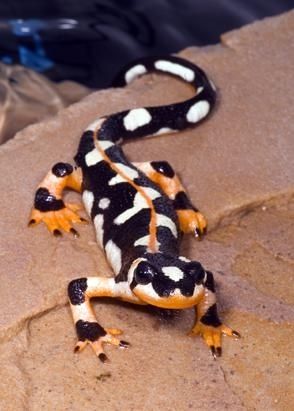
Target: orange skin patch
{"type": "Point", "coordinates": [172, 302]}
{"type": "Point", "coordinates": [170, 186]}
{"type": "Point", "coordinates": [191, 220]}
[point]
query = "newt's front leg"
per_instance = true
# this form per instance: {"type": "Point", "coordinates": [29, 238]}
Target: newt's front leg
{"type": "Point", "coordinates": [89, 331]}
{"type": "Point", "coordinates": [208, 324]}
{"type": "Point", "coordinates": [49, 206]}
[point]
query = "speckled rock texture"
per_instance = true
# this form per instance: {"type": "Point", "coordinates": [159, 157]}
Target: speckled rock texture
{"type": "Point", "coordinates": [238, 169]}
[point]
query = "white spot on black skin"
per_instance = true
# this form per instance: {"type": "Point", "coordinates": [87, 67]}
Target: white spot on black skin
{"type": "Point", "coordinates": [144, 241]}
{"type": "Point", "coordinates": [174, 273]}
{"type": "Point", "coordinates": [88, 200]}
{"type": "Point", "coordinates": [198, 111]}
{"type": "Point", "coordinates": [151, 193]}
{"type": "Point", "coordinates": [199, 90]}
{"type": "Point", "coordinates": [105, 144]}
{"type": "Point", "coordinates": [113, 253]}
{"type": "Point", "coordinates": [93, 157]}
{"type": "Point", "coordinates": [177, 69]}
{"type": "Point", "coordinates": [116, 180]}
{"type": "Point", "coordinates": [134, 72]}
{"type": "Point", "coordinates": [137, 118]}
{"type": "Point", "coordinates": [95, 125]}
{"type": "Point", "coordinates": [98, 223]}
{"type": "Point", "coordinates": [184, 259]}
{"type": "Point", "coordinates": [126, 215]}
{"type": "Point", "coordinates": [139, 204]}
{"type": "Point", "coordinates": [144, 167]}
{"type": "Point", "coordinates": [164, 130]}
{"type": "Point", "coordinates": [130, 172]}
{"type": "Point", "coordinates": [164, 221]}
{"type": "Point", "coordinates": [104, 203]}
{"type": "Point", "coordinates": [212, 85]}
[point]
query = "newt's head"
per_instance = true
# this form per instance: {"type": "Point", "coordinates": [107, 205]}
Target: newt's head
{"type": "Point", "coordinates": [167, 282]}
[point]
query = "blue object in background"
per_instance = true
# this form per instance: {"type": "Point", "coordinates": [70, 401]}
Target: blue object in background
{"type": "Point", "coordinates": [35, 59]}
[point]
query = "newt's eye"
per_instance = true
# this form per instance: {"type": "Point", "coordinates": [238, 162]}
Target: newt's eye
{"type": "Point", "coordinates": [144, 273]}
{"type": "Point", "coordinates": [196, 271]}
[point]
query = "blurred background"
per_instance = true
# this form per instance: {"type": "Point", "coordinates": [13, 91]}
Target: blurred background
{"type": "Point", "coordinates": [88, 41]}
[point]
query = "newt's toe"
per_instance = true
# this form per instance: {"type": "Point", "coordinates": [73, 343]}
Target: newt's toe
{"type": "Point", "coordinates": [192, 221]}
{"type": "Point", "coordinates": [58, 221]}
{"type": "Point", "coordinates": [213, 336]}
{"type": "Point", "coordinates": [98, 344]}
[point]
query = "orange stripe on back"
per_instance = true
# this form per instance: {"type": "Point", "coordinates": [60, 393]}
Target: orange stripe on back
{"type": "Point", "coordinates": [152, 245]}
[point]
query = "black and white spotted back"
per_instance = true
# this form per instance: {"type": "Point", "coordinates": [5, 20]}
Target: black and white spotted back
{"type": "Point", "coordinates": [131, 214]}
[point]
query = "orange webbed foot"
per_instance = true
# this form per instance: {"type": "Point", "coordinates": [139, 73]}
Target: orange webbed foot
{"type": "Point", "coordinates": [59, 220]}
{"type": "Point", "coordinates": [192, 221]}
{"type": "Point", "coordinates": [213, 335]}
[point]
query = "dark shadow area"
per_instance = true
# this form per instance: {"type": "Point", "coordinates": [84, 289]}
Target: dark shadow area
{"type": "Point", "coordinates": [88, 41]}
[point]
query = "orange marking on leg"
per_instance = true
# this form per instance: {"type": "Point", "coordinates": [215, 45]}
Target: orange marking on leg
{"type": "Point", "coordinates": [114, 331]}
{"type": "Point", "coordinates": [74, 180]}
{"type": "Point", "coordinates": [169, 185]}
{"type": "Point", "coordinates": [191, 220]}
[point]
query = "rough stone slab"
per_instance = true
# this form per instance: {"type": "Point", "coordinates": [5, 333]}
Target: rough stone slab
{"type": "Point", "coordinates": [238, 168]}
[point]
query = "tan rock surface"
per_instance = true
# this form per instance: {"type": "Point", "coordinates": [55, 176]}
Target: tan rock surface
{"type": "Point", "coordinates": [237, 167]}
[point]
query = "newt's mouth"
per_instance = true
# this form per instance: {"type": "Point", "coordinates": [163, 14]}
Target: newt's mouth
{"type": "Point", "coordinates": [173, 301]}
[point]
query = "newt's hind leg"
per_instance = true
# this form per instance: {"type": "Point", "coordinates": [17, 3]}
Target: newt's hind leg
{"type": "Point", "coordinates": [49, 206]}
{"type": "Point", "coordinates": [89, 331]}
{"type": "Point", "coordinates": [208, 325]}
{"type": "Point", "coordinates": [162, 174]}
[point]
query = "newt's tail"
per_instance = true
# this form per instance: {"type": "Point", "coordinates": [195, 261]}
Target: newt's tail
{"type": "Point", "coordinates": [150, 121]}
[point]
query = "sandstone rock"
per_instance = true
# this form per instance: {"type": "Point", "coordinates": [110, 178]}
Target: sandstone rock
{"type": "Point", "coordinates": [238, 169]}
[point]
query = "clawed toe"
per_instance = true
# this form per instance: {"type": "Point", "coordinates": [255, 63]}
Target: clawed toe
{"type": "Point", "coordinates": [58, 221]}
{"type": "Point", "coordinates": [212, 336]}
{"type": "Point", "coordinates": [216, 351]}
{"type": "Point", "coordinates": [98, 345]}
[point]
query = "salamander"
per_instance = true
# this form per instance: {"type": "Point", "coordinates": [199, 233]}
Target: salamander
{"type": "Point", "coordinates": [139, 211]}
